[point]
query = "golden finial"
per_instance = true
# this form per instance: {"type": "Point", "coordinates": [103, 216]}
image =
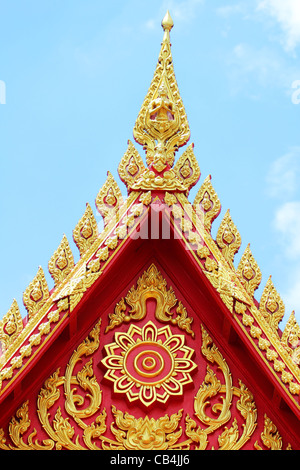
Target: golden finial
{"type": "Point", "coordinates": [161, 126]}
{"type": "Point", "coordinates": [167, 24]}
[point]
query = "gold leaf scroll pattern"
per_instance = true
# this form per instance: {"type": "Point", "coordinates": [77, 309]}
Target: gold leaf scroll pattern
{"type": "Point", "coordinates": [82, 401]}
{"type": "Point", "coordinates": [151, 285]}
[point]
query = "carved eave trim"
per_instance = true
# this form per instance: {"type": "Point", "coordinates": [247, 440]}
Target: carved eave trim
{"type": "Point", "coordinates": [255, 328]}
{"type": "Point", "coordinates": [66, 295]}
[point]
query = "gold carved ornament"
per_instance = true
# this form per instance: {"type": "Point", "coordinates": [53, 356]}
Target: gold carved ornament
{"type": "Point", "coordinates": [69, 406]}
{"type": "Point", "coordinates": [151, 285]}
{"type": "Point", "coordinates": [149, 364]}
{"type": "Point", "coordinates": [86, 231]}
{"type": "Point", "coordinates": [36, 294]}
{"type": "Point", "coordinates": [161, 128]}
{"type": "Point", "coordinates": [61, 262]}
{"type": "Point", "coordinates": [10, 326]}
{"type": "Point", "coordinates": [207, 203]}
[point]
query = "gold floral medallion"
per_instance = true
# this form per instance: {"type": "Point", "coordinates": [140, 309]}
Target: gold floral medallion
{"type": "Point", "coordinates": [149, 364]}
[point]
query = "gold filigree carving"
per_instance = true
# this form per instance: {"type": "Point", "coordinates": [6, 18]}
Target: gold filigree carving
{"type": "Point", "coordinates": [249, 272]}
{"type": "Point", "coordinates": [69, 409]}
{"type": "Point", "coordinates": [187, 168]}
{"type": "Point", "coordinates": [86, 231]}
{"type": "Point", "coordinates": [149, 181]}
{"type": "Point", "coordinates": [109, 199]}
{"type": "Point", "coordinates": [207, 201]}
{"type": "Point", "coordinates": [229, 439]}
{"type": "Point", "coordinates": [147, 433]}
{"type": "Point", "coordinates": [11, 326]}
{"type": "Point", "coordinates": [61, 262]}
{"type": "Point", "coordinates": [162, 126]}
{"type": "Point", "coordinates": [131, 166]}
{"type": "Point", "coordinates": [291, 338]}
{"type": "Point", "coordinates": [226, 284]}
{"type": "Point", "coordinates": [271, 437]}
{"type": "Point", "coordinates": [228, 238]}
{"type": "Point", "coordinates": [151, 285]}
{"type": "Point", "coordinates": [36, 293]}
{"type": "Point", "coordinates": [148, 364]}
{"type": "Point", "coordinates": [33, 340]}
{"type": "Point", "coordinates": [271, 305]}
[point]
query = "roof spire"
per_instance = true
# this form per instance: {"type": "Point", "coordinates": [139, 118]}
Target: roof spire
{"type": "Point", "coordinates": [167, 24]}
{"type": "Point", "coordinates": [162, 126]}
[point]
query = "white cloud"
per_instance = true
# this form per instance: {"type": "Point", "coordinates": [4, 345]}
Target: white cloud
{"type": "Point", "coordinates": [287, 225]}
{"type": "Point", "coordinates": [256, 70]}
{"type": "Point", "coordinates": [252, 70]}
{"type": "Point", "coordinates": [292, 295]}
{"type": "Point", "coordinates": [182, 11]}
{"type": "Point", "coordinates": [283, 183]}
{"type": "Point", "coordinates": [284, 175]}
{"type": "Point", "coordinates": [227, 11]}
{"type": "Point", "coordinates": [287, 14]}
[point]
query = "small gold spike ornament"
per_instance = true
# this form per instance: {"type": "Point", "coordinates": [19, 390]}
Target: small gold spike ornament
{"type": "Point", "coordinates": [11, 326]}
{"type": "Point", "coordinates": [61, 262]}
{"type": "Point", "coordinates": [249, 272]}
{"type": "Point", "coordinates": [207, 201]}
{"type": "Point", "coordinates": [86, 231]}
{"type": "Point", "coordinates": [271, 305]}
{"type": "Point", "coordinates": [109, 199]}
{"type": "Point", "coordinates": [228, 238]}
{"type": "Point", "coordinates": [36, 293]}
{"type": "Point", "coordinates": [131, 166]}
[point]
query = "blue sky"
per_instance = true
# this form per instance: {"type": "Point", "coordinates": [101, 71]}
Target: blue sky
{"type": "Point", "coordinates": [75, 75]}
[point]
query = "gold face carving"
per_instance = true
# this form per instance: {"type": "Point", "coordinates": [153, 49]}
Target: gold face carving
{"type": "Point", "coordinates": [149, 364]}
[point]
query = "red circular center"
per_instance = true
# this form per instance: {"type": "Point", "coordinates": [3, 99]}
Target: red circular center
{"type": "Point", "coordinates": [148, 363]}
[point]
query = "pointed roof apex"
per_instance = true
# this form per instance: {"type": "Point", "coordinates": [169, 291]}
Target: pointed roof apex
{"type": "Point", "coordinates": [167, 22]}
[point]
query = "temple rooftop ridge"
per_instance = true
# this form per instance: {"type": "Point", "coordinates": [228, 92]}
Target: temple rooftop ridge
{"type": "Point", "coordinates": [159, 182]}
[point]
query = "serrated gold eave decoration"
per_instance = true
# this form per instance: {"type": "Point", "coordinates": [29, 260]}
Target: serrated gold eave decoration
{"type": "Point", "coordinates": [187, 169]}
{"type": "Point", "coordinates": [36, 293]}
{"type": "Point", "coordinates": [11, 326]}
{"type": "Point", "coordinates": [271, 306]}
{"type": "Point", "coordinates": [207, 201]}
{"type": "Point", "coordinates": [131, 165]}
{"type": "Point", "coordinates": [109, 199]}
{"type": "Point", "coordinates": [61, 262]}
{"type": "Point", "coordinates": [86, 231]}
{"type": "Point", "coordinates": [249, 272]}
{"type": "Point", "coordinates": [291, 333]}
{"type": "Point", "coordinates": [228, 238]}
